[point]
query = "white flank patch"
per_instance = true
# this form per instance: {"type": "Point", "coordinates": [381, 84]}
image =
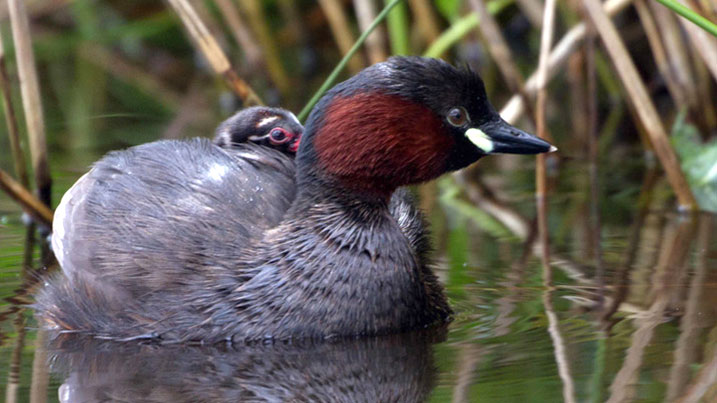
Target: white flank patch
{"type": "Point", "coordinates": [266, 121]}
{"type": "Point", "coordinates": [217, 172]}
{"type": "Point", "coordinates": [59, 232]}
{"type": "Point", "coordinates": [480, 139]}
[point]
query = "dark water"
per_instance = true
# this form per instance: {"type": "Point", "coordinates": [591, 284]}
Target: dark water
{"type": "Point", "coordinates": [648, 334]}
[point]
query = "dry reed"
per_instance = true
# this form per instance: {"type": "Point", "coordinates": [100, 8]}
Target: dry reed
{"type": "Point", "coordinates": [124, 70]}
{"type": "Point", "coordinates": [705, 43]}
{"type": "Point", "coordinates": [595, 221]}
{"type": "Point", "coordinates": [481, 195]}
{"type": "Point", "coordinates": [13, 132]}
{"type": "Point", "coordinates": [500, 51]}
{"type": "Point", "coordinates": [425, 20]}
{"type": "Point", "coordinates": [641, 101]}
{"type": "Point", "coordinates": [375, 43]}
{"type": "Point", "coordinates": [40, 380]}
{"type": "Point", "coordinates": [213, 52]}
{"type": "Point", "coordinates": [13, 376]}
{"type": "Point", "coordinates": [687, 346]}
{"type": "Point", "coordinates": [294, 27]}
{"type": "Point", "coordinates": [660, 54]}
{"type": "Point", "coordinates": [342, 34]}
{"type": "Point", "coordinates": [254, 11]}
{"type": "Point", "coordinates": [704, 382]}
{"type": "Point", "coordinates": [678, 54]}
{"type": "Point", "coordinates": [560, 351]}
{"type": "Point", "coordinates": [546, 39]}
{"type": "Point", "coordinates": [27, 200]}
{"type": "Point", "coordinates": [31, 100]}
{"type": "Point", "coordinates": [532, 11]}
{"type": "Point", "coordinates": [242, 35]}
{"type": "Point", "coordinates": [569, 43]}
{"type": "Point", "coordinates": [673, 255]}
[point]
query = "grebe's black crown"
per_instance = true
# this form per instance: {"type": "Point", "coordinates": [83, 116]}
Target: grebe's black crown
{"type": "Point", "coordinates": [430, 82]}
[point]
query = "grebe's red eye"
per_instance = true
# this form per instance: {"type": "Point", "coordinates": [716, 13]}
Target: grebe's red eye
{"type": "Point", "coordinates": [279, 136]}
{"type": "Point", "coordinates": [458, 116]}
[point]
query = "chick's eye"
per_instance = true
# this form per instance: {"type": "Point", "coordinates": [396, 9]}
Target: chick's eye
{"type": "Point", "coordinates": [457, 116]}
{"type": "Point", "coordinates": [279, 136]}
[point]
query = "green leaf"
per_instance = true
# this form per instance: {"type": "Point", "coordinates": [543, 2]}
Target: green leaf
{"type": "Point", "coordinates": [398, 29]}
{"type": "Point", "coordinates": [450, 192]}
{"type": "Point", "coordinates": [448, 8]}
{"type": "Point", "coordinates": [342, 64]}
{"type": "Point", "coordinates": [692, 16]}
{"type": "Point", "coordinates": [698, 160]}
{"type": "Point", "coordinates": [460, 28]}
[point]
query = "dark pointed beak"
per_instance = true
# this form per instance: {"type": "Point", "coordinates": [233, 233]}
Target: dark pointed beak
{"type": "Point", "coordinates": [498, 137]}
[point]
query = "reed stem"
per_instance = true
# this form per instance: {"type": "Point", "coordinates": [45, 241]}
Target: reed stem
{"type": "Point", "coordinates": [210, 48]}
{"type": "Point", "coordinates": [499, 50]}
{"type": "Point", "coordinates": [705, 45]}
{"type": "Point", "coordinates": [257, 20]}
{"type": "Point", "coordinates": [642, 102]}
{"type": "Point", "coordinates": [13, 132]}
{"type": "Point", "coordinates": [398, 32]}
{"type": "Point", "coordinates": [122, 69]}
{"type": "Point", "coordinates": [339, 67]}
{"type": "Point", "coordinates": [514, 108]}
{"type": "Point", "coordinates": [691, 15]}
{"type": "Point", "coordinates": [593, 151]}
{"type": "Point", "coordinates": [338, 22]}
{"type": "Point", "coordinates": [32, 103]}
{"type": "Point", "coordinates": [546, 40]}
{"type": "Point", "coordinates": [425, 20]}
{"type": "Point", "coordinates": [532, 10]}
{"type": "Point", "coordinates": [462, 27]}
{"type": "Point", "coordinates": [375, 44]}
{"type": "Point", "coordinates": [239, 31]}
{"type": "Point", "coordinates": [27, 200]}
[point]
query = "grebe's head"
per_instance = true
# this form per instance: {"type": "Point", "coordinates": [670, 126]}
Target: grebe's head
{"type": "Point", "coordinates": [404, 121]}
{"type": "Point", "coordinates": [271, 127]}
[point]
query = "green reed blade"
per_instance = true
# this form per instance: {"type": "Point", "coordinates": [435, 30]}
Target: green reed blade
{"type": "Point", "coordinates": [691, 15]}
{"type": "Point", "coordinates": [339, 67]}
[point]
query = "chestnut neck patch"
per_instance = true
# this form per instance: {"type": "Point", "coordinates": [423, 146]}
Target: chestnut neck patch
{"type": "Point", "coordinates": [373, 143]}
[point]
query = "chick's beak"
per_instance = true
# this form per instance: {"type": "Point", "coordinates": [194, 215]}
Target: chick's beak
{"type": "Point", "coordinates": [498, 137]}
{"type": "Point", "coordinates": [295, 144]}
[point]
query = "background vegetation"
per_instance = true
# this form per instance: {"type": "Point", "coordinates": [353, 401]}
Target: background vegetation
{"type": "Point", "coordinates": [113, 73]}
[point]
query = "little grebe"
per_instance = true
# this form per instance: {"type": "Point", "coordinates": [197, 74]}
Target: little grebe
{"type": "Point", "coordinates": [92, 222]}
{"type": "Point", "coordinates": [271, 127]}
{"type": "Point", "coordinates": [186, 241]}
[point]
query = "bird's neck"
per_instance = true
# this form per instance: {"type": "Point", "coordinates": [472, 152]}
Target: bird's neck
{"type": "Point", "coordinates": [345, 257]}
{"type": "Point", "coordinates": [370, 143]}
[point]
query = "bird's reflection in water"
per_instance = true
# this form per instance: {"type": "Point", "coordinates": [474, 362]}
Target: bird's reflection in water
{"type": "Point", "coordinates": [396, 368]}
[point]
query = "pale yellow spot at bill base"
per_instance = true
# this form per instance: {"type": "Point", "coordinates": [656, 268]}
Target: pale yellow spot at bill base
{"type": "Point", "coordinates": [480, 139]}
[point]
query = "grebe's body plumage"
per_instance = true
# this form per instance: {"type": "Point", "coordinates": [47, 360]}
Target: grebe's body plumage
{"type": "Point", "coordinates": [130, 249]}
{"type": "Point", "coordinates": [342, 253]}
{"type": "Point", "coordinates": [125, 219]}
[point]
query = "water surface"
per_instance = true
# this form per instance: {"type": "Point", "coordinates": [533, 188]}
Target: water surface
{"type": "Point", "coordinates": [644, 330]}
